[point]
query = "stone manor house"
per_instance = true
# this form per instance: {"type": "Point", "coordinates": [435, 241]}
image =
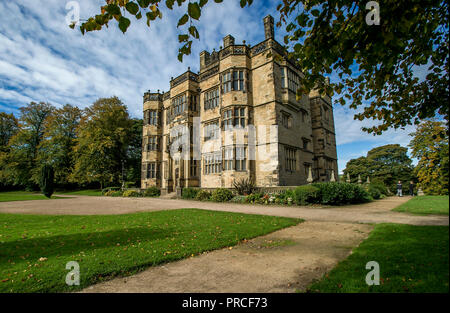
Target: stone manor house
{"type": "Point", "coordinates": [275, 139]}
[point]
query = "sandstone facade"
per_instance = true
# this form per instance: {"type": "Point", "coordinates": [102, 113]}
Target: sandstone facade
{"type": "Point", "coordinates": [239, 117]}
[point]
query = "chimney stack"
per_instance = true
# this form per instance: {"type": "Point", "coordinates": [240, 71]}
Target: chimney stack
{"type": "Point", "coordinates": [228, 41]}
{"type": "Point", "coordinates": [268, 27]}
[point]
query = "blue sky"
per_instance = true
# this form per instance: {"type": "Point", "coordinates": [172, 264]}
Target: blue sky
{"type": "Point", "coordinates": [42, 59]}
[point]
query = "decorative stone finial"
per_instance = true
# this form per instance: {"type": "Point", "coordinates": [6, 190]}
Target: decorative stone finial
{"type": "Point", "coordinates": [309, 180]}
{"type": "Point", "coordinates": [332, 178]}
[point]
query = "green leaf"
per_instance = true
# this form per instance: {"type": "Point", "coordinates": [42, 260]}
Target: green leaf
{"type": "Point", "coordinates": [123, 24]}
{"type": "Point", "coordinates": [194, 10]}
{"type": "Point", "coordinates": [183, 20]}
{"type": "Point", "coordinates": [113, 9]}
{"type": "Point", "coordinates": [203, 2]}
{"type": "Point", "coordinates": [144, 3]}
{"type": "Point", "coordinates": [218, 1]}
{"type": "Point", "coordinates": [315, 12]}
{"type": "Point", "coordinates": [183, 37]}
{"type": "Point", "coordinates": [139, 15]}
{"type": "Point", "coordinates": [194, 32]}
{"type": "Point", "coordinates": [169, 4]}
{"type": "Point", "coordinates": [132, 7]}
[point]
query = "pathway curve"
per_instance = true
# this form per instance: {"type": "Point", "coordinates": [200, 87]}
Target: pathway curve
{"type": "Point", "coordinates": [373, 212]}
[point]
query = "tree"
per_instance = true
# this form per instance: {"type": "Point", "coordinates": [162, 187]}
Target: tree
{"type": "Point", "coordinates": [8, 128]}
{"type": "Point", "coordinates": [60, 139]}
{"type": "Point", "coordinates": [46, 180]}
{"type": "Point", "coordinates": [104, 134]}
{"type": "Point", "coordinates": [134, 152]}
{"type": "Point", "coordinates": [387, 164]}
{"type": "Point", "coordinates": [375, 62]}
{"type": "Point", "coordinates": [19, 165]}
{"type": "Point", "coordinates": [430, 146]}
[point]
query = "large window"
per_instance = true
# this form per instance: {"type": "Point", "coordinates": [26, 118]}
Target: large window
{"type": "Point", "coordinates": [293, 80]}
{"type": "Point", "coordinates": [228, 159]}
{"type": "Point", "coordinates": [194, 168]}
{"type": "Point", "coordinates": [235, 158]}
{"type": "Point", "coordinates": [238, 80]}
{"type": "Point", "coordinates": [286, 119]}
{"type": "Point", "coordinates": [151, 117]}
{"type": "Point", "coordinates": [226, 82]}
{"type": "Point", "coordinates": [179, 105]}
{"type": "Point", "coordinates": [283, 77]}
{"type": "Point", "coordinates": [241, 159]}
{"type": "Point", "coordinates": [233, 80]}
{"type": "Point", "coordinates": [152, 143]}
{"type": "Point", "coordinates": [291, 159]}
{"type": "Point", "coordinates": [211, 131]}
{"type": "Point", "coordinates": [227, 118]}
{"type": "Point", "coordinates": [212, 99]}
{"type": "Point", "coordinates": [212, 163]}
{"type": "Point", "coordinates": [234, 117]}
{"type": "Point", "coordinates": [152, 170]}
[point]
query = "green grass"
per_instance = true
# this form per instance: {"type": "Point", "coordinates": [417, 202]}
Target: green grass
{"type": "Point", "coordinates": [425, 205]}
{"type": "Point", "coordinates": [22, 195]}
{"type": "Point", "coordinates": [411, 259]}
{"type": "Point", "coordinates": [114, 245]}
{"type": "Point", "coordinates": [87, 192]}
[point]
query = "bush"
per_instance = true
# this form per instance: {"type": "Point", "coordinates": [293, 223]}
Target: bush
{"type": "Point", "coordinates": [47, 180]}
{"type": "Point", "coordinates": [152, 192]}
{"type": "Point", "coordinates": [189, 193]}
{"type": "Point", "coordinates": [203, 195]}
{"type": "Point", "coordinates": [105, 190]}
{"type": "Point", "coordinates": [381, 187]}
{"type": "Point", "coordinates": [113, 193]}
{"type": "Point", "coordinates": [238, 199]}
{"type": "Point", "coordinates": [306, 194]}
{"type": "Point", "coordinates": [341, 193]}
{"type": "Point", "coordinates": [131, 193]}
{"type": "Point", "coordinates": [244, 186]}
{"type": "Point", "coordinates": [374, 192]}
{"type": "Point", "coordinates": [221, 195]}
{"type": "Point", "coordinates": [254, 197]}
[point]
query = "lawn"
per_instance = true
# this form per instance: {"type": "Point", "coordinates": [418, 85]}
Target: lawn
{"type": "Point", "coordinates": [87, 192]}
{"type": "Point", "coordinates": [425, 205]}
{"type": "Point", "coordinates": [22, 195]}
{"type": "Point", "coordinates": [34, 249]}
{"type": "Point", "coordinates": [411, 259]}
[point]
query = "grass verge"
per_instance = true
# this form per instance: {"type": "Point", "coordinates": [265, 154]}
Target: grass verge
{"type": "Point", "coordinates": [22, 196]}
{"type": "Point", "coordinates": [424, 205]}
{"type": "Point", "coordinates": [34, 249]}
{"type": "Point", "coordinates": [411, 259]}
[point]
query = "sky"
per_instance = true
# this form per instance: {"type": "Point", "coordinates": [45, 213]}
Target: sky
{"type": "Point", "coordinates": [42, 59]}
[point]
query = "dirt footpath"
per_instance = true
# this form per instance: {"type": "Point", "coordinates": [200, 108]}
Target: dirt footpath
{"type": "Point", "coordinates": [284, 261]}
{"type": "Point", "coordinates": [373, 212]}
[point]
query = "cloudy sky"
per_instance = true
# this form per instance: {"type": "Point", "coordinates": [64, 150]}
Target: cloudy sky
{"type": "Point", "coordinates": [42, 59]}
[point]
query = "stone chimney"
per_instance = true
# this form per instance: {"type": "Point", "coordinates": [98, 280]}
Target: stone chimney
{"type": "Point", "coordinates": [228, 41]}
{"type": "Point", "coordinates": [268, 27]}
{"type": "Point", "coordinates": [204, 58]}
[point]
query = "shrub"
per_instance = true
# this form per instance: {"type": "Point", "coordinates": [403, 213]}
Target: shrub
{"type": "Point", "coordinates": [341, 193]}
{"type": "Point", "coordinates": [131, 193]}
{"type": "Point", "coordinates": [374, 192]}
{"type": "Point", "coordinates": [105, 190]}
{"type": "Point", "coordinates": [254, 197]}
{"type": "Point", "coordinates": [203, 195]}
{"type": "Point", "coordinates": [238, 199]}
{"type": "Point", "coordinates": [152, 192]}
{"type": "Point", "coordinates": [221, 195]}
{"type": "Point", "coordinates": [306, 194]}
{"type": "Point", "coordinates": [189, 193]}
{"type": "Point", "coordinates": [47, 180]}
{"type": "Point", "coordinates": [381, 187]}
{"type": "Point", "coordinates": [244, 186]}
{"type": "Point", "coordinates": [113, 193]}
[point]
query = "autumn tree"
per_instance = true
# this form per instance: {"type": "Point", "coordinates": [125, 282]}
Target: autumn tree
{"type": "Point", "coordinates": [60, 139]}
{"type": "Point", "coordinates": [20, 163]}
{"type": "Point", "coordinates": [104, 134]}
{"type": "Point", "coordinates": [8, 128]}
{"type": "Point", "coordinates": [387, 164]}
{"type": "Point", "coordinates": [430, 146]}
{"type": "Point", "coordinates": [375, 50]}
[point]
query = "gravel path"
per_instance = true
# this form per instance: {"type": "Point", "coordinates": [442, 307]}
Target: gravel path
{"type": "Point", "coordinates": [374, 212]}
